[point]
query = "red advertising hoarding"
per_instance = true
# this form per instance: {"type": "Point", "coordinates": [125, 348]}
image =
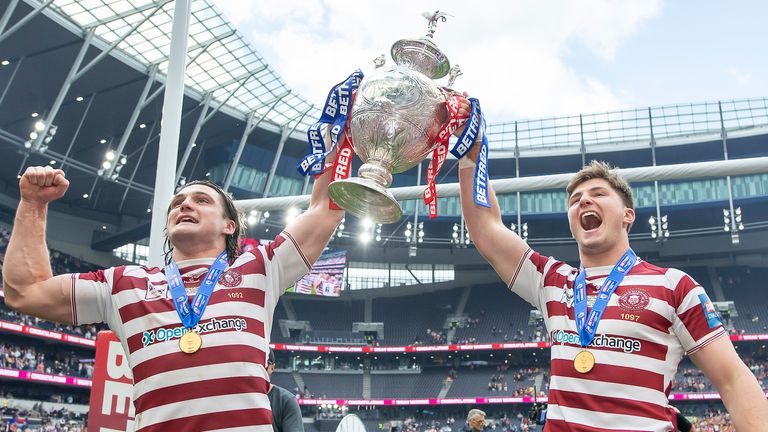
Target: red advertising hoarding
{"type": "Point", "coordinates": [111, 406]}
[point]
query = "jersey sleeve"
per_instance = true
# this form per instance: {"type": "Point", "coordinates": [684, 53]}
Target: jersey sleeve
{"type": "Point", "coordinates": [284, 261]}
{"type": "Point", "coordinates": [696, 322]}
{"type": "Point", "coordinates": [92, 296]}
{"type": "Point", "coordinates": [529, 278]}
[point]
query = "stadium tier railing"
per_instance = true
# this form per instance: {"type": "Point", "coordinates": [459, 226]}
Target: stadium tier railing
{"type": "Point", "coordinates": [44, 378]}
{"type": "Point", "coordinates": [629, 128]}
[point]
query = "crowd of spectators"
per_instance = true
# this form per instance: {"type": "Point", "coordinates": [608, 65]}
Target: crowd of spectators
{"type": "Point", "coordinates": [433, 337]}
{"type": "Point", "coordinates": [28, 358]}
{"type": "Point", "coordinates": [691, 380]}
{"type": "Point", "coordinates": [85, 331]}
{"type": "Point", "coordinates": [40, 419]}
{"type": "Point", "coordinates": [715, 420]}
{"type": "Point", "coordinates": [412, 424]}
{"type": "Point", "coordinates": [509, 422]}
{"type": "Point", "coordinates": [464, 341]}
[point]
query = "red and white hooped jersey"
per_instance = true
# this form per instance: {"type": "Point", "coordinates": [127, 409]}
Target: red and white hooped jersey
{"type": "Point", "coordinates": [654, 317]}
{"type": "Point", "coordinates": [224, 385]}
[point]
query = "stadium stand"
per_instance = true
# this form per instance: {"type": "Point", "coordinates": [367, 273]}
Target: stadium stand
{"type": "Point", "coordinates": [503, 319]}
{"type": "Point", "coordinates": [408, 319]}
{"type": "Point", "coordinates": [425, 384]}
{"type": "Point", "coordinates": [744, 286]}
{"type": "Point", "coordinates": [336, 385]}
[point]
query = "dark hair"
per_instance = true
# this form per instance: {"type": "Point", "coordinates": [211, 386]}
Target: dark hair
{"type": "Point", "coordinates": [230, 211]}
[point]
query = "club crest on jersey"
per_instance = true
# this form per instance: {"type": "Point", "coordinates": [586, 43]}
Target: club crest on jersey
{"type": "Point", "coordinates": [231, 278]}
{"type": "Point", "coordinates": [567, 297]}
{"type": "Point", "coordinates": [634, 300]}
{"type": "Point", "coordinates": [155, 292]}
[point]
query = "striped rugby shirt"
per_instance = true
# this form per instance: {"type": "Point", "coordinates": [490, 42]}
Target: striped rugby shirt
{"type": "Point", "coordinates": [224, 385]}
{"type": "Point", "coordinates": [654, 317]}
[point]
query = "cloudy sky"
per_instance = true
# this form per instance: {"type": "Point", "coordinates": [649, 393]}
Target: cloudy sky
{"type": "Point", "coordinates": [528, 58]}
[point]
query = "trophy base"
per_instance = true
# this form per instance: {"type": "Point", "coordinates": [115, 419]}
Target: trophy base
{"type": "Point", "coordinates": [366, 198]}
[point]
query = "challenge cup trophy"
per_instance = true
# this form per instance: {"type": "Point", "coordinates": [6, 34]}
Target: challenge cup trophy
{"type": "Point", "coordinates": [396, 117]}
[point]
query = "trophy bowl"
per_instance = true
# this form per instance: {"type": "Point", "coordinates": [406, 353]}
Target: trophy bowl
{"type": "Point", "coordinates": [396, 117]}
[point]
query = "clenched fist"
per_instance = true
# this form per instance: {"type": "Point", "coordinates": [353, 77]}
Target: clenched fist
{"type": "Point", "coordinates": [41, 185]}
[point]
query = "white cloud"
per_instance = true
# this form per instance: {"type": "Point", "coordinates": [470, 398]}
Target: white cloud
{"type": "Point", "coordinates": [740, 76]}
{"type": "Point", "coordinates": [512, 53]}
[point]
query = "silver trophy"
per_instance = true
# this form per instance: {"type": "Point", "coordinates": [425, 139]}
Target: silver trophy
{"type": "Point", "coordinates": [396, 117]}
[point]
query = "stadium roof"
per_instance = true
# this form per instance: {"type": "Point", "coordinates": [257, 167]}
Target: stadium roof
{"type": "Point", "coordinates": [79, 67]}
{"type": "Point", "coordinates": [222, 62]}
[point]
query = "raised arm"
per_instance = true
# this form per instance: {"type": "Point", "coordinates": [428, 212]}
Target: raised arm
{"type": "Point", "coordinates": [738, 387]}
{"type": "Point", "coordinates": [28, 280]}
{"type": "Point", "coordinates": [500, 246]}
{"type": "Point", "coordinates": [314, 228]}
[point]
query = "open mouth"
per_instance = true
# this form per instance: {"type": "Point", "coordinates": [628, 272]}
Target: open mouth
{"type": "Point", "coordinates": [590, 221]}
{"type": "Point", "coordinates": [186, 219]}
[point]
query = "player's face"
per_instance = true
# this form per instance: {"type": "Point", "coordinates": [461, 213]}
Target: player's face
{"type": "Point", "coordinates": [597, 215]}
{"type": "Point", "coordinates": [198, 211]}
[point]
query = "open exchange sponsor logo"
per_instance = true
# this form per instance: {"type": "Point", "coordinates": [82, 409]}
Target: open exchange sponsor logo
{"type": "Point", "coordinates": [600, 341]}
{"type": "Point", "coordinates": [165, 335]}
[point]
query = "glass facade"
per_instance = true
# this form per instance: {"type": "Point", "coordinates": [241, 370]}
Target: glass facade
{"type": "Point", "coordinates": [132, 252]}
{"type": "Point", "coordinates": [554, 201]}
{"type": "Point", "coordinates": [361, 275]}
{"type": "Point", "coordinates": [253, 180]}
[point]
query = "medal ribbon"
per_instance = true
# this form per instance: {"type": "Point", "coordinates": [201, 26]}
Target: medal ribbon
{"type": "Point", "coordinates": [586, 324]}
{"type": "Point", "coordinates": [190, 314]}
{"type": "Point", "coordinates": [337, 109]}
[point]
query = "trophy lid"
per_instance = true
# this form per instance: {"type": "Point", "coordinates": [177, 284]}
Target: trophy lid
{"type": "Point", "coordinates": [422, 55]}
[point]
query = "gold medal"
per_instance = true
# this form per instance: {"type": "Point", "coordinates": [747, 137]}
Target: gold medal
{"type": "Point", "coordinates": [190, 342]}
{"type": "Point", "coordinates": [584, 361]}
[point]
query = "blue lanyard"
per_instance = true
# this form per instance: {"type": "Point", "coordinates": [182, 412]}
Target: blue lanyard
{"type": "Point", "coordinates": [337, 108]}
{"type": "Point", "coordinates": [190, 314]}
{"type": "Point", "coordinates": [587, 325]}
{"type": "Point", "coordinates": [475, 123]}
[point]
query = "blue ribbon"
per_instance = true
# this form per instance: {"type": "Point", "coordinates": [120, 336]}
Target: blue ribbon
{"type": "Point", "coordinates": [475, 124]}
{"type": "Point", "coordinates": [586, 325]}
{"type": "Point", "coordinates": [468, 137]}
{"type": "Point", "coordinates": [335, 113]}
{"type": "Point", "coordinates": [190, 314]}
{"type": "Point", "coordinates": [481, 171]}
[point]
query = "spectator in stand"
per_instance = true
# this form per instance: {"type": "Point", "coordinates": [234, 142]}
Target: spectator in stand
{"type": "Point", "coordinates": [475, 420]}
